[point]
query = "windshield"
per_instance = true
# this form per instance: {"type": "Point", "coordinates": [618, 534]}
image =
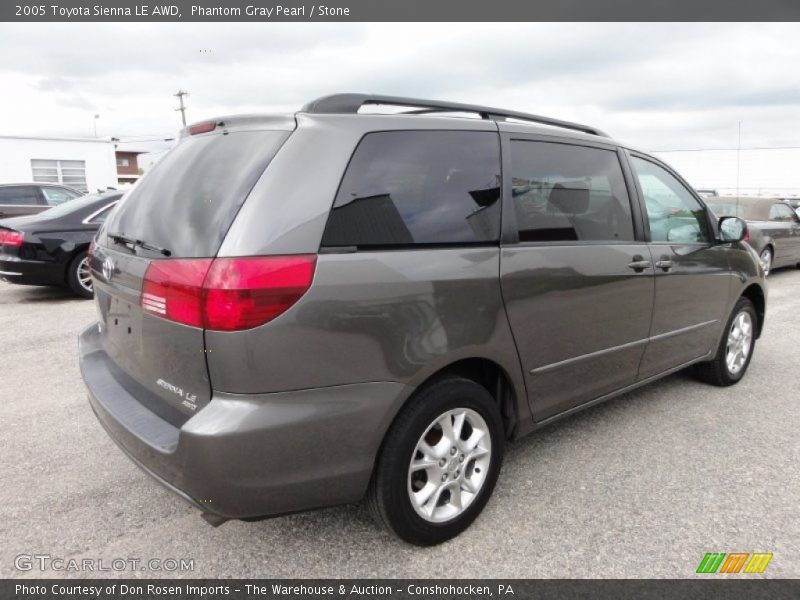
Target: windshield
{"type": "Point", "coordinates": [187, 202]}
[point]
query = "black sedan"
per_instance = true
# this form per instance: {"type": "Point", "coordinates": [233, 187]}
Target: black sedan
{"type": "Point", "coordinates": [51, 248]}
{"type": "Point", "coordinates": [774, 227]}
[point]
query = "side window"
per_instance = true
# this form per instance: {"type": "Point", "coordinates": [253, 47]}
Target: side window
{"type": "Point", "coordinates": [21, 194]}
{"type": "Point", "coordinates": [673, 213]}
{"type": "Point", "coordinates": [56, 196]}
{"type": "Point", "coordinates": [563, 192]}
{"type": "Point", "coordinates": [781, 212]}
{"type": "Point", "coordinates": [419, 187]}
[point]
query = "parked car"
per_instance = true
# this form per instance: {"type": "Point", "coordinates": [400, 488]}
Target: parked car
{"type": "Point", "coordinates": [17, 199]}
{"type": "Point", "coordinates": [708, 193]}
{"type": "Point", "coordinates": [773, 224]}
{"type": "Point", "coordinates": [305, 310]}
{"type": "Point", "coordinates": [51, 248]}
{"type": "Point", "coordinates": [793, 201]}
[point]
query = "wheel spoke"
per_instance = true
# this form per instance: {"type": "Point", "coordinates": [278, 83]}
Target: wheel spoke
{"type": "Point", "coordinates": [446, 423]}
{"type": "Point", "coordinates": [430, 506]}
{"type": "Point", "coordinates": [470, 486]}
{"type": "Point", "coordinates": [458, 425]}
{"type": "Point", "coordinates": [472, 442]}
{"type": "Point", "coordinates": [423, 464]}
{"type": "Point", "coordinates": [422, 496]}
{"type": "Point", "coordinates": [455, 497]}
{"type": "Point", "coordinates": [438, 451]}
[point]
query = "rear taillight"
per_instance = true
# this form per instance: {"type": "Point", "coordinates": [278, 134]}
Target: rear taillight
{"type": "Point", "coordinates": [226, 294]}
{"type": "Point", "coordinates": [11, 238]}
{"type": "Point", "coordinates": [173, 289]}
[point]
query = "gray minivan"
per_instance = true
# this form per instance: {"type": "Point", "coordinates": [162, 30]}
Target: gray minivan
{"type": "Point", "coordinates": [306, 310]}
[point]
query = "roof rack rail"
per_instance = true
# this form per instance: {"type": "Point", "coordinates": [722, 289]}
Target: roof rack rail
{"type": "Point", "coordinates": [351, 103]}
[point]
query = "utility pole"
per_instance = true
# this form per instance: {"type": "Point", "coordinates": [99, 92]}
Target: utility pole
{"type": "Point", "coordinates": [182, 108]}
{"type": "Point", "coordinates": [95, 124]}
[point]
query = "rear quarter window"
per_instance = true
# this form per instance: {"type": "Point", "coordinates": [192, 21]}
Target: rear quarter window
{"type": "Point", "coordinates": [407, 188]}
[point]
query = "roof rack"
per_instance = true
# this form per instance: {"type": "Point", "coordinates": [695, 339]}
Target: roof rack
{"type": "Point", "coordinates": [351, 103]}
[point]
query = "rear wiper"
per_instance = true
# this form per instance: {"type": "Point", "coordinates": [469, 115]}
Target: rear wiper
{"type": "Point", "coordinates": [129, 241]}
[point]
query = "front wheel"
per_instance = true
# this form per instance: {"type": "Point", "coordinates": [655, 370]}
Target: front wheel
{"type": "Point", "coordinates": [79, 276]}
{"type": "Point", "coordinates": [735, 349]}
{"type": "Point", "coordinates": [439, 463]}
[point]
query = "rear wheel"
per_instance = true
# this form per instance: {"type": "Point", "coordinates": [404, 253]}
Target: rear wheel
{"type": "Point", "coordinates": [439, 462]}
{"type": "Point", "coordinates": [79, 276]}
{"type": "Point", "coordinates": [765, 258]}
{"type": "Point", "coordinates": [735, 349]}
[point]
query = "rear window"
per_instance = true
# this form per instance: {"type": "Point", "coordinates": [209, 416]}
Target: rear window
{"type": "Point", "coordinates": [187, 202]}
{"type": "Point", "coordinates": [23, 195]}
{"type": "Point", "coordinates": [406, 188]}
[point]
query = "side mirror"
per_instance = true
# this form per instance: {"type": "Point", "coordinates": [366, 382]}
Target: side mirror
{"type": "Point", "coordinates": [732, 229]}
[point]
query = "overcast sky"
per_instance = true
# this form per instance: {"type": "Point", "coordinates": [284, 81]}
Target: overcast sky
{"type": "Point", "coordinates": [657, 86]}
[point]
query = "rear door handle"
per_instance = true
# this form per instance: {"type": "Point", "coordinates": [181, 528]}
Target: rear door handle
{"type": "Point", "coordinates": [664, 264]}
{"type": "Point", "coordinates": [639, 264]}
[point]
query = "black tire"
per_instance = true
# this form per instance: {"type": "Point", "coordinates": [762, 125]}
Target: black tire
{"type": "Point", "coordinates": [716, 371]}
{"type": "Point", "coordinates": [73, 281]}
{"type": "Point", "coordinates": [388, 496]}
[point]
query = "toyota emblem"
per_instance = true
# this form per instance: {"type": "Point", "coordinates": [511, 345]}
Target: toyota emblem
{"type": "Point", "coordinates": [108, 268]}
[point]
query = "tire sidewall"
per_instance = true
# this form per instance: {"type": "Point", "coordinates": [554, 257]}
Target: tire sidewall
{"type": "Point", "coordinates": [437, 399]}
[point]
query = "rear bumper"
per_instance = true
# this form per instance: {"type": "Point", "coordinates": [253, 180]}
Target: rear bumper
{"type": "Point", "coordinates": [30, 272]}
{"type": "Point", "coordinates": [244, 456]}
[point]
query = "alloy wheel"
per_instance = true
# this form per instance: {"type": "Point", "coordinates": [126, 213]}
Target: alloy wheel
{"type": "Point", "coordinates": [84, 274]}
{"type": "Point", "coordinates": [766, 261]}
{"type": "Point", "coordinates": [449, 465]}
{"type": "Point", "coordinates": [740, 342]}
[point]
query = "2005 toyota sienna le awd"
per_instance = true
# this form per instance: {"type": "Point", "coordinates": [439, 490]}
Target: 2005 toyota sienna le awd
{"type": "Point", "coordinates": [306, 310]}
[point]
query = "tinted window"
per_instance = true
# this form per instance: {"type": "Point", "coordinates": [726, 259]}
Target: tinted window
{"type": "Point", "coordinates": [188, 200]}
{"type": "Point", "coordinates": [19, 195]}
{"type": "Point", "coordinates": [781, 212]}
{"type": "Point", "coordinates": [674, 214]}
{"type": "Point", "coordinates": [419, 187]}
{"type": "Point", "coordinates": [569, 193]}
{"type": "Point", "coordinates": [56, 196]}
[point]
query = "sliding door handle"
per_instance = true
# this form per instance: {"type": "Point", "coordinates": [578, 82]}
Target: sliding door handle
{"type": "Point", "coordinates": [639, 264]}
{"type": "Point", "coordinates": [664, 264]}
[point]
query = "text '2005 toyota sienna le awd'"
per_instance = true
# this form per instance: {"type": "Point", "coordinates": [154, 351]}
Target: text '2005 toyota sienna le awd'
{"type": "Point", "coordinates": [306, 310]}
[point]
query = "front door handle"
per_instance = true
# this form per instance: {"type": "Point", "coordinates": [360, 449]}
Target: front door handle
{"type": "Point", "coordinates": [664, 264]}
{"type": "Point", "coordinates": [639, 264]}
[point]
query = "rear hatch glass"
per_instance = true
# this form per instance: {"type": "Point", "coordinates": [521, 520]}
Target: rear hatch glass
{"type": "Point", "coordinates": [187, 202]}
{"type": "Point", "coordinates": [184, 206]}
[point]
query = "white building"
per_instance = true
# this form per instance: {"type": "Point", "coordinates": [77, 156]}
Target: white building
{"type": "Point", "coordinates": [85, 164]}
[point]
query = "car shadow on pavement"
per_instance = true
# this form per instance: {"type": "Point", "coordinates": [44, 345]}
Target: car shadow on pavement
{"type": "Point", "coordinates": [22, 294]}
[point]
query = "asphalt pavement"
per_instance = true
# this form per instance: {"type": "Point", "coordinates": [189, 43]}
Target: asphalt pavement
{"type": "Point", "coordinates": [641, 486]}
